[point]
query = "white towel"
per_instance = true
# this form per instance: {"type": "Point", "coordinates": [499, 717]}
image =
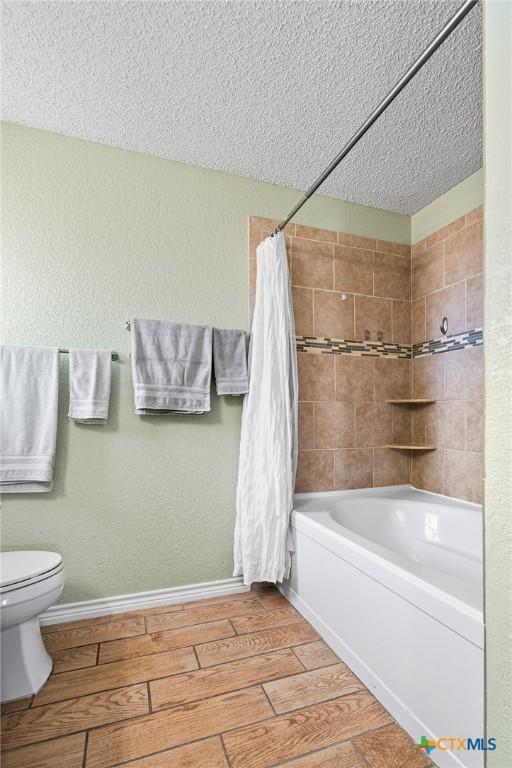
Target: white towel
{"type": "Point", "coordinates": [171, 367]}
{"type": "Point", "coordinates": [89, 385]}
{"type": "Point", "coordinates": [230, 361]}
{"type": "Point", "coordinates": [29, 388]}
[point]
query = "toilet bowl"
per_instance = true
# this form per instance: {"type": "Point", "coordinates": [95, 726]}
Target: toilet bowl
{"type": "Point", "coordinates": [30, 582]}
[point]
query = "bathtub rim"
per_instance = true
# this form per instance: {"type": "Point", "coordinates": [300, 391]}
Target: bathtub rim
{"type": "Point", "coordinates": [382, 489]}
{"type": "Point", "coordinates": [374, 561]}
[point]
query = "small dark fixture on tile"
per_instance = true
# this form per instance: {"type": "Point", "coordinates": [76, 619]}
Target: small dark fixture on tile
{"type": "Point", "coordinates": [367, 335]}
{"type": "Point", "coordinates": [444, 326]}
{"type": "Point", "coordinates": [380, 336]}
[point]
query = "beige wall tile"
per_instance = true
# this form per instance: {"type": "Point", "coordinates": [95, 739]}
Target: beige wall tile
{"type": "Point", "coordinates": [261, 222]}
{"type": "Point", "coordinates": [392, 275]}
{"type": "Point", "coordinates": [427, 471]}
{"type": "Point", "coordinates": [315, 471]}
{"type": "Point", "coordinates": [418, 247]}
{"type": "Point", "coordinates": [390, 467]}
{"type": "Point", "coordinates": [464, 254]}
{"type": "Point", "coordinates": [427, 376]}
{"type": "Point", "coordinates": [356, 241]}
{"type": "Point", "coordinates": [392, 378]}
{"type": "Point", "coordinates": [374, 425]}
{"type": "Point", "coordinates": [334, 425]}
{"type": "Point", "coordinates": [333, 316]}
{"type": "Point", "coordinates": [449, 302]}
{"type": "Point", "coordinates": [463, 475]}
{"type": "Point", "coordinates": [306, 426]}
{"type": "Point", "coordinates": [354, 378]}
{"type": "Point", "coordinates": [312, 263]}
{"type": "Point", "coordinates": [418, 321]}
{"type": "Point", "coordinates": [314, 233]}
{"type": "Point", "coordinates": [354, 469]}
{"type": "Point", "coordinates": [474, 426]}
{"type": "Point", "coordinates": [316, 376]}
{"type": "Point", "coordinates": [268, 225]}
{"type": "Point", "coordinates": [473, 216]}
{"type": "Point", "coordinates": [353, 270]}
{"type": "Point", "coordinates": [303, 310]}
{"type": "Point", "coordinates": [255, 239]}
{"type": "Point", "coordinates": [444, 232]}
{"type": "Point", "coordinates": [445, 424]}
{"type": "Point", "coordinates": [401, 321]}
{"type": "Point", "coordinates": [374, 315]}
{"type": "Point", "coordinates": [475, 302]}
{"type": "Point", "coordinates": [385, 246]}
{"type": "Point", "coordinates": [464, 374]}
{"type": "Point", "coordinates": [419, 424]}
{"type": "Point", "coordinates": [402, 425]}
{"type": "Point", "coordinates": [427, 271]}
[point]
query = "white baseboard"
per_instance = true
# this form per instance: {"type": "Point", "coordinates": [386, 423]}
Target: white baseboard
{"type": "Point", "coordinates": [105, 606]}
{"type": "Point", "coordinates": [402, 714]}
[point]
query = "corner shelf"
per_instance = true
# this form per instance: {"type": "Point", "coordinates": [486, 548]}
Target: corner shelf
{"type": "Point", "coordinates": [412, 447]}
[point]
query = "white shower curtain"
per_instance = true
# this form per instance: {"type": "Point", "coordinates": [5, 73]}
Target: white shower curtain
{"type": "Point", "coordinates": [268, 442]}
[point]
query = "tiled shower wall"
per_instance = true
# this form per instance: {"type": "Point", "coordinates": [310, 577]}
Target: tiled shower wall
{"type": "Point", "coordinates": [344, 420]}
{"type": "Point", "coordinates": [447, 280]}
{"type": "Point", "coordinates": [345, 285]}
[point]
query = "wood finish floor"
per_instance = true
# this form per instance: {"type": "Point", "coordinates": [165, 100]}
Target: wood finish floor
{"type": "Point", "coordinates": [234, 682]}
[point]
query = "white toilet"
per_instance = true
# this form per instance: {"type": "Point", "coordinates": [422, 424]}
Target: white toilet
{"type": "Point", "coordinates": [30, 583]}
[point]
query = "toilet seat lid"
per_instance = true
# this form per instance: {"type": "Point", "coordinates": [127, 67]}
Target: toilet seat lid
{"type": "Point", "coordinates": [19, 567]}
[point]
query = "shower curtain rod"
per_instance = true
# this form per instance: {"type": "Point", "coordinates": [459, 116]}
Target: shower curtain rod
{"type": "Point", "coordinates": [384, 104]}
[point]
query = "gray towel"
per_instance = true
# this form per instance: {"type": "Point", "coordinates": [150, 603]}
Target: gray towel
{"type": "Point", "coordinates": [29, 388]}
{"type": "Point", "coordinates": [230, 361]}
{"type": "Point", "coordinates": [89, 385]}
{"type": "Point", "coordinates": [171, 367]}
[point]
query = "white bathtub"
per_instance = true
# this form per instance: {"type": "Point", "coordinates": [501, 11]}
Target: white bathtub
{"type": "Point", "coordinates": [392, 579]}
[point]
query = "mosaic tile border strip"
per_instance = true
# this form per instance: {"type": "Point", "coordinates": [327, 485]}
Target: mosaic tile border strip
{"type": "Point", "coordinates": [327, 346]}
{"type": "Point", "coordinates": [449, 343]}
{"type": "Point", "coordinates": [349, 347]}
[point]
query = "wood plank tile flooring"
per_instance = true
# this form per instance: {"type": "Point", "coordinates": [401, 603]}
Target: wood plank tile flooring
{"type": "Point", "coordinates": [232, 682]}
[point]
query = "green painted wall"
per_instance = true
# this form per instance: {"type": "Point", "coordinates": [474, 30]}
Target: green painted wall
{"type": "Point", "coordinates": [93, 236]}
{"type": "Point", "coordinates": [498, 379]}
{"type": "Point", "coordinates": [461, 199]}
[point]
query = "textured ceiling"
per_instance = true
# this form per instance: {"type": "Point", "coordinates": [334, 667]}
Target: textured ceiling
{"type": "Point", "coordinates": [269, 90]}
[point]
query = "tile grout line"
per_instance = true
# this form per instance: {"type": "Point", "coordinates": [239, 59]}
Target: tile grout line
{"type": "Point", "coordinates": [74, 647]}
{"type": "Point", "coordinates": [157, 653]}
{"type": "Point", "coordinates": [226, 755]}
{"type": "Point", "coordinates": [166, 749]}
{"type": "Point", "coordinates": [359, 753]}
{"type": "Point", "coordinates": [197, 658]}
{"type": "Point", "coordinates": [268, 697]}
{"type": "Point", "coordinates": [260, 684]}
{"type": "Point", "coordinates": [175, 674]}
{"type": "Point", "coordinates": [236, 633]}
{"type": "Point", "coordinates": [192, 701]}
{"type": "Point", "coordinates": [290, 648]}
{"type": "Point", "coordinates": [300, 660]}
{"type": "Point", "coordinates": [86, 744]}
